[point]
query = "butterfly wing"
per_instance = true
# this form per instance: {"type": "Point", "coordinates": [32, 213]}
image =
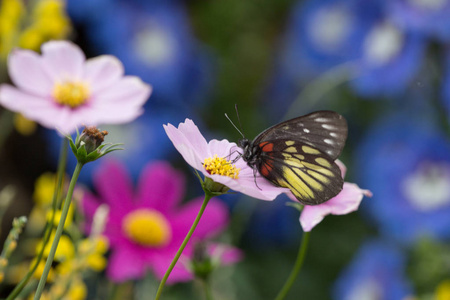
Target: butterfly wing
{"type": "Point", "coordinates": [322, 130]}
{"type": "Point", "coordinates": [312, 176]}
{"type": "Point", "coordinates": [299, 154]}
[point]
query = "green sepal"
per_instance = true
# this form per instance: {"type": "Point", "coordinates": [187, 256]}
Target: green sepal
{"type": "Point", "coordinates": [79, 149]}
{"type": "Point", "coordinates": [297, 205]}
{"type": "Point", "coordinates": [82, 154]}
{"type": "Point", "coordinates": [72, 144]}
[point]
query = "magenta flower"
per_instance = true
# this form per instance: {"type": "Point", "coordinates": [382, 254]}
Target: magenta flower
{"type": "Point", "coordinates": [345, 202]}
{"type": "Point", "coordinates": [146, 228]}
{"type": "Point", "coordinates": [215, 160]}
{"type": "Point", "coordinates": [60, 89]}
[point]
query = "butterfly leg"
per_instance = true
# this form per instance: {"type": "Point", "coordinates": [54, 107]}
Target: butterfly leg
{"type": "Point", "coordinates": [255, 172]}
{"type": "Point", "coordinates": [236, 158]}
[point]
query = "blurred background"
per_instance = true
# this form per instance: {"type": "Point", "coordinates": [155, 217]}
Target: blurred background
{"type": "Point", "coordinates": [383, 64]}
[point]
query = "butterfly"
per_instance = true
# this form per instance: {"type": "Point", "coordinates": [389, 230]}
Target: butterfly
{"type": "Point", "coordinates": [300, 154]}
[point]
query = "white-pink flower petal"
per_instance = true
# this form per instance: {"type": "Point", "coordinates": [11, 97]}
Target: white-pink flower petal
{"type": "Point", "coordinates": [27, 72]}
{"type": "Point", "coordinates": [63, 60]}
{"type": "Point", "coordinates": [188, 140]}
{"type": "Point", "coordinates": [48, 86]}
{"type": "Point", "coordinates": [191, 144]}
{"type": "Point", "coordinates": [345, 202]}
{"type": "Point", "coordinates": [104, 70]}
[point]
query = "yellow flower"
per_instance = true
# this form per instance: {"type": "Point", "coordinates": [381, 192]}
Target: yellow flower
{"type": "Point", "coordinates": [23, 125]}
{"type": "Point", "coordinates": [40, 269]}
{"type": "Point", "coordinates": [11, 12]}
{"type": "Point", "coordinates": [77, 290]}
{"type": "Point", "coordinates": [94, 251]}
{"type": "Point", "coordinates": [51, 19]}
{"type": "Point", "coordinates": [44, 187]}
{"type": "Point", "coordinates": [66, 267]}
{"type": "Point", "coordinates": [47, 21]}
{"type": "Point", "coordinates": [69, 217]}
{"type": "Point", "coordinates": [36, 220]}
{"type": "Point", "coordinates": [31, 38]}
{"type": "Point", "coordinates": [64, 251]}
{"type": "Point", "coordinates": [443, 290]}
{"type": "Point", "coordinates": [15, 273]}
{"type": "Point", "coordinates": [68, 288]}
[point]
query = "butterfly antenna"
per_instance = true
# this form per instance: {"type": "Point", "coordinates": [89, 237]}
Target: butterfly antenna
{"type": "Point", "coordinates": [239, 119]}
{"type": "Point", "coordinates": [234, 125]}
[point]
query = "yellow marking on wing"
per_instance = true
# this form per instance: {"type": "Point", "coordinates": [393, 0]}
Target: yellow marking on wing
{"type": "Point", "coordinates": [320, 169]}
{"type": "Point", "coordinates": [299, 156]}
{"type": "Point", "coordinates": [310, 150]}
{"type": "Point", "coordinates": [323, 162]}
{"type": "Point", "coordinates": [314, 184]}
{"type": "Point", "coordinates": [319, 177]}
{"type": "Point", "coordinates": [287, 156]}
{"type": "Point", "coordinates": [300, 194]}
{"type": "Point", "coordinates": [299, 188]}
{"type": "Point", "coordinates": [291, 150]}
{"type": "Point", "coordinates": [295, 163]}
{"type": "Point", "coordinates": [290, 143]}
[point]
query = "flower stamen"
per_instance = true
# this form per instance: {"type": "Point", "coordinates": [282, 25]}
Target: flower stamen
{"type": "Point", "coordinates": [221, 166]}
{"type": "Point", "coordinates": [147, 227]}
{"type": "Point", "coordinates": [71, 93]}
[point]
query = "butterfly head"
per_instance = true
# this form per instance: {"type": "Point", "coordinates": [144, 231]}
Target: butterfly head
{"type": "Point", "coordinates": [250, 154]}
{"type": "Point", "coordinates": [244, 143]}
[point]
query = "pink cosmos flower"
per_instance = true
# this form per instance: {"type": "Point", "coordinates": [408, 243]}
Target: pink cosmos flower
{"type": "Point", "coordinates": [146, 228]}
{"type": "Point", "coordinates": [345, 202]}
{"type": "Point", "coordinates": [61, 89]}
{"type": "Point", "coordinates": [197, 152]}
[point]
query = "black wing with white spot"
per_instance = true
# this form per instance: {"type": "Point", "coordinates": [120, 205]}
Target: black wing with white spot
{"type": "Point", "coordinates": [323, 130]}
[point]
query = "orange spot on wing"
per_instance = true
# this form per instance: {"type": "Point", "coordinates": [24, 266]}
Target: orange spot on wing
{"type": "Point", "coordinates": [266, 146]}
{"type": "Point", "coordinates": [266, 168]}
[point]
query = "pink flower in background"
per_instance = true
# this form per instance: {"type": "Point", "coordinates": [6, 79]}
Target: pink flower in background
{"type": "Point", "coordinates": [345, 202]}
{"type": "Point", "coordinates": [198, 153]}
{"type": "Point", "coordinates": [60, 89]}
{"type": "Point", "coordinates": [146, 228]}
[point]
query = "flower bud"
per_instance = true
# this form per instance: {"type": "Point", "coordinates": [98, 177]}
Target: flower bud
{"type": "Point", "coordinates": [201, 263]}
{"type": "Point", "coordinates": [92, 138]}
{"type": "Point", "coordinates": [89, 145]}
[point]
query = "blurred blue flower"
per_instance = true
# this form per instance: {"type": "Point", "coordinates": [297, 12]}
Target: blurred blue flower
{"type": "Point", "coordinates": [390, 59]}
{"type": "Point", "coordinates": [446, 81]}
{"type": "Point", "coordinates": [84, 11]}
{"type": "Point", "coordinates": [325, 34]}
{"type": "Point", "coordinates": [144, 140]}
{"type": "Point", "coordinates": [270, 224]}
{"type": "Point", "coordinates": [430, 17]}
{"type": "Point", "coordinates": [153, 39]}
{"type": "Point", "coordinates": [405, 161]}
{"type": "Point", "coordinates": [377, 272]}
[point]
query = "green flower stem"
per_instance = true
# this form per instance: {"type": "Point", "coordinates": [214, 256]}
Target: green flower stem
{"type": "Point", "coordinates": [59, 231]}
{"type": "Point", "coordinates": [7, 126]}
{"type": "Point", "coordinates": [298, 265]}
{"type": "Point", "coordinates": [208, 196]}
{"type": "Point", "coordinates": [11, 243]}
{"type": "Point", "coordinates": [315, 90]}
{"type": "Point", "coordinates": [207, 289]}
{"type": "Point", "coordinates": [48, 229]}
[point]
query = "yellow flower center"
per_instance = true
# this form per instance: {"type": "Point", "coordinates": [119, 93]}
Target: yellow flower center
{"type": "Point", "coordinates": [442, 291]}
{"type": "Point", "coordinates": [71, 93]}
{"type": "Point", "coordinates": [220, 166]}
{"type": "Point", "coordinates": [147, 227]}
